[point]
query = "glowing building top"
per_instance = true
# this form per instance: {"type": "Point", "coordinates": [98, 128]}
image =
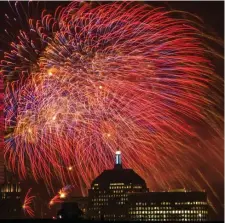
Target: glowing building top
{"type": "Point", "coordinates": [118, 163]}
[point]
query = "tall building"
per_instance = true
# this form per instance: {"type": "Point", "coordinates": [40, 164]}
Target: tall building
{"type": "Point", "coordinates": [121, 194]}
{"type": "Point", "coordinates": [10, 198]}
{"type": "Point", "coordinates": [168, 206]}
{"type": "Point", "coordinates": [108, 196]}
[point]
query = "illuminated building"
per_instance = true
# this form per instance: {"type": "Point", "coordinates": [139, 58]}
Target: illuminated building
{"type": "Point", "coordinates": [120, 194]}
{"type": "Point", "coordinates": [108, 196]}
{"type": "Point", "coordinates": [10, 198]}
{"type": "Point", "coordinates": [168, 206]}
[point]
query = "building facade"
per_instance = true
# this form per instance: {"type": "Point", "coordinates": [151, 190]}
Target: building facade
{"type": "Point", "coordinates": [121, 194]}
{"type": "Point", "coordinates": [168, 206]}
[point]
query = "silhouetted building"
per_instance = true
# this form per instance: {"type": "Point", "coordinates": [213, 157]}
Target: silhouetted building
{"type": "Point", "coordinates": [82, 203]}
{"type": "Point", "coordinates": [108, 196]}
{"type": "Point", "coordinates": [10, 198]}
{"type": "Point", "coordinates": [121, 194]}
{"type": "Point", "coordinates": [70, 211]}
{"type": "Point", "coordinates": [168, 206]}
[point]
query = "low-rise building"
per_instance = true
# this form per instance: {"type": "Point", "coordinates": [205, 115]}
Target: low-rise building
{"type": "Point", "coordinates": [168, 206]}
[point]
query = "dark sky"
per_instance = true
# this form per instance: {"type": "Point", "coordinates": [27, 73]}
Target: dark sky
{"type": "Point", "coordinates": [212, 13]}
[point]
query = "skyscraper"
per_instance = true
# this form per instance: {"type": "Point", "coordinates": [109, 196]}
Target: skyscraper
{"type": "Point", "coordinates": [108, 196]}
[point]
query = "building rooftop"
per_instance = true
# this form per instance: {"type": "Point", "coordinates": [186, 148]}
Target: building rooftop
{"type": "Point", "coordinates": [170, 196]}
{"type": "Point", "coordinates": [118, 175]}
{"type": "Point", "coordinates": [115, 175]}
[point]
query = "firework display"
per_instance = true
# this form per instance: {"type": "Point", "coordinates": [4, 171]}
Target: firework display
{"type": "Point", "coordinates": [2, 132]}
{"type": "Point", "coordinates": [28, 200]}
{"type": "Point", "coordinates": [61, 195]}
{"type": "Point", "coordinates": [89, 80]}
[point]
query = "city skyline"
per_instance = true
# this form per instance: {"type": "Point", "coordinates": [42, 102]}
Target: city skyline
{"type": "Point", "coordinates": [96, 78]}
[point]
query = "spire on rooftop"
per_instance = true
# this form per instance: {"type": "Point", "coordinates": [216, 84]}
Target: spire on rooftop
{"type": "Point", "coordinates": [118, 163]}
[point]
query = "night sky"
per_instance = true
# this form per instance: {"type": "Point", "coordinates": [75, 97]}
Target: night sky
{"type": "Point", "coordinates": [212, 14]}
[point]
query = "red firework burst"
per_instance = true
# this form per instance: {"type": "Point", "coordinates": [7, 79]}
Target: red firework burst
{"type": "Point", "coordinates": [28, 200]}
{"type": "Point", "coordinates": [61, 195]}
{"type": "Point", "coordinates": [116, 75]}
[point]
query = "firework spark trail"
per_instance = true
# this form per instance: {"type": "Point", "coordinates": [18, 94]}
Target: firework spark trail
{"type": "Point", "coordinates": [116, 75]}
{"type": "Point", "coordinates": [28, 200]}
{"type": "Point", "coordinates": [61, 195]}
{"type": "Point", "coordinates": [1, 131]}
